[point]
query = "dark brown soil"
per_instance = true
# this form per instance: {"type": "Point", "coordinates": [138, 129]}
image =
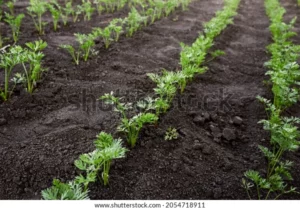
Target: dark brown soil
{"type": "Point", "coordinates": [43, 134]}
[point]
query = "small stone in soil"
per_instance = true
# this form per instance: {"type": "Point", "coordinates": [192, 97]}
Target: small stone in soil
{"type": "Point", "coordinates": [227, 166]}
{"type": "Point", "coordinates": [196, 141]}
{"type": "Point", "coordinates": [206, 116]}
{"type": "Point", "coordinates": [219, 180]}
{"type": "Point", "coordinates": [199, 120]}
{"type": "Point", "coordinates": [187, 160]}
{"type": "Point", "coordinates": [197, 146]}
{"type": "Point", "coordinates": [175, 167]}
{"type": "Point", "coordinates": [216, 132]}
{"type": "Point", "coordinates": [187, 184]}
{"type": "Point", "coordinates": [214, 117]}
{"type": "Point", "coordinates": [3, 121]}
{"type": "Point", "coordinates": [189, 171]}
{"type": "Point", "coordinates": [217, 140]}
{"type": "Point", "coordinates": [237, 120]}
{"type": "Point", "coordinates": [217, 193]}
{"type": "Point", "coordinates": [192, 113]}
{"type": "Point", "coordinates": [207, 150]}
{"type": "Point", "coordinates": [229, 134]}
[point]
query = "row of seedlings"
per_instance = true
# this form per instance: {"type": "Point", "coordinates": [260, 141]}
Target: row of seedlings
{"type": "Point", "coordinates": [59, 13]}
{"type": "Point", "coordinates": [151, 10]}
{"type": "Point", "coordinates": [284, 73]}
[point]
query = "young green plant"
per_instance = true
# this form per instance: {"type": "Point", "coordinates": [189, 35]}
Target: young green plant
{"type": "Point", "coordinates": [11, 7]}
{"type": "Point", "coordinates": [56, 13]}
{"type": "Point", "coordinates": [34, 68]}
{"type": "Point", "coordinates": [171, 134]}
{"type": "Point", "coordinates": [170, 6]}
{"type": "Point", "coordinates": [8, 60]}
{"type": "Point", "coordinates": [133, 22]}
{"type": "Point", "coordinates": [99, 6]}
{"type": "Point", "coordinates": [36, 10]}
{"type": "Point", "coordinates": [62, 191]}
{"type": "Point", "coordinates": [107, 150]}
{"type": "Point", "coordinates": [85, 42]}
{"type": "Point", "coordinates": [116, 27]}
{"type": "Point", "coordinates": [15, 24]}
{"type": "Point", "coordinates": [74, 53]}
{"type": "Point", "coordinates": [88, 9]}
{"type": "Point", "coordinates": [75, 11]}
{"type": "Point", "coordinates": [121, 4]}
{"type": "Point", "coordinates": [166, 87]}
{"type": "Point", "coordinates": [67, 11]}
{"type": "Point", "coordinates": [158, 6]}
{"type": "Point", "coordinates": [105, 34]}
{"type": "Point", "coordinates": [129, 126]}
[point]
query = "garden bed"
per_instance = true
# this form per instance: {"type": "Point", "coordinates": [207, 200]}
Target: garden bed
{"type": "Point", "coordinates": [41, 135]}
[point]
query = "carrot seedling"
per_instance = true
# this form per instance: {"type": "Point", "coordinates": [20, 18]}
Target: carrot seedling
{"type": "Point", "coordinates": [62, 191]}
{"type": "Point", "coordinates": [34, 58]}
{"type": "Point", "coordinates": [107, 150]}
{"type": "Point", "coordinates": [75, 54]}
{"type": "Point", "coordinates": [116, 27]}
{"type": "Point", "coordinates": [15, 24]}
{"type": "Point", "coordinates": [132, 127]}
{"type": "Point", "coordinates": [88, 9]}
{"type": "Point", "coordinates": [36, 10]}
{"type": "Point", "coordinates": [166, 84]}
{"type": "Point", "coordinates": [129, 126]}
{"type": "Point", "coordinates": [8, 60]}
{"type": "Point", "coordinates": [56, 13]}
{"type": "Point", "coordinates": [66, 12]}
{"type": "Point", "coordinates": [11, 6]}
{"type": "Point", "coordinates": [99, 6]}
{"type": "Point", "coordinates": [105, 34]}
{"type": "Point", "coordinates": [133, 22]}
{"type": "Point", "coordinates": [86, 42]}
{"type": "Point", "coordinates": [170, 6]}
{"type": "Point", "coordinates": [171, 134]}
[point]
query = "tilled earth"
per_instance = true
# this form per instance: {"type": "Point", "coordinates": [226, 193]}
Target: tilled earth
{"type": "Point", "coordinates": [41, 135]}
